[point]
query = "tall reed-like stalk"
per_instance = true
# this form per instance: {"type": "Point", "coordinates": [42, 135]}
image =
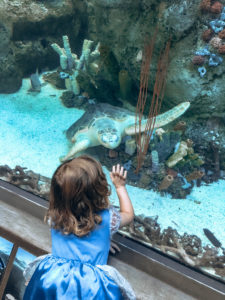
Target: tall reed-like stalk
{"type": "Point", "coordinates": [143, 137]}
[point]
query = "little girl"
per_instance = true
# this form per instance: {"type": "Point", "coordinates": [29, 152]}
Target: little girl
{"type": "Point", "coordinates": [81, 226]}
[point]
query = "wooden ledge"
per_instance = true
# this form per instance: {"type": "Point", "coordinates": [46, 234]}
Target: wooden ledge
{"type": "Point", "coordinates": [23, 229]}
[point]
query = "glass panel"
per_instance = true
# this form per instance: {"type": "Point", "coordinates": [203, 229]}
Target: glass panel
{"type": "Point", "coordinates": [107, 67]}
{"type": "Point", "coordinates": [16, 283]}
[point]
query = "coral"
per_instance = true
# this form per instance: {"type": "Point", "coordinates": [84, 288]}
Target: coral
{"type": "Point", "coordinates": [130, 146]}
{"type": "Point", "coordinates": [157, 97]}
{"type": "Point", "coordinates": [215, 60]}
{"type": "Point", "coordinates": [217, 25]}
{"type": "Point", "coordinates": [222, 16]}
{"type": "Point", "coordinates": [165, 146]}
{"type": "Point", "coordinates": [189, 143]}
{"type": "Point", "coordinates": [125, 84]}
{"type": "Point", "coordinates": [221, 49]}
{"type": "Point", "coordinates": [74, 65]}
{"type": "Point", "coordinates": [155, 161]}
{"type": "Point", "coordinates": [195, 175]}
{"type": "Point", "coordinates": [112, 153]}
{"type": "Point", "coordinates": [159, 132]}
{"type": "Point", "coordinates": [203, 52]}
{"type": "Point", "coordinates": [202, 71]}
{"type": "Point", "coordinates": [205, 5]}
{"type": "Point", "coordinates": [198, 60]}
{"type": "Point", "coordinates": [222, 34]}
{"type": "Point", "coordinates": [215, 42]}
{"type": "Point", "coordinates": [27, 180]}
{"type": "Point", "coordinates": [127, 165]}
{"type": "Point", "coordinates": [178, 155]}
{"type": "Point", "coordinates": [216, 8]}
{"type": "Point", "coordinates": [63, 75]}
{"type": "Point", "coordinates": [171, 172]}
{"type": "Point", "coordinates": [180, 126]}
{"type": "Point", "coordinates": [207, 35]}
{"type": "Point", "coordinates": [166, 182]}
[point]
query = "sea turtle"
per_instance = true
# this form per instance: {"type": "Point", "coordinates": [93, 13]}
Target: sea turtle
{"type": "Point", "coordinates": [106, 125]}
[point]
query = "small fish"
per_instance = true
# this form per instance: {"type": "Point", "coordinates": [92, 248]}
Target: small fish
{"type": "Point", "coordinates": [35, 82]}
{"type": "Point", "coordinates": [211, 237]}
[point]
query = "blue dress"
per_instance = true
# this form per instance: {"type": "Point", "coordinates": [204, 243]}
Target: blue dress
{"type": "Point", "coordinates": [75, 269]}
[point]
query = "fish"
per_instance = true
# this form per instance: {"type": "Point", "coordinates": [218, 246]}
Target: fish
{"type": "Point", "coordinates": [35, 82]}
{"type": "Point", "coordinates": [211, 237]}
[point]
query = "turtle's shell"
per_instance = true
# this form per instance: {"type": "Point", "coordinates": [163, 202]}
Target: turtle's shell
{"type": "Point", "coordinates": [98, 111]}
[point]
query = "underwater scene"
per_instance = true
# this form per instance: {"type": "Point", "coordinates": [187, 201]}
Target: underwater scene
{"type": "Point", "coordinates": [139, 83]}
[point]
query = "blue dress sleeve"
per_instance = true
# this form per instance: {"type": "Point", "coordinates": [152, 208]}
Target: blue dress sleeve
{"type": "Point", "coordinates": [115, 220]}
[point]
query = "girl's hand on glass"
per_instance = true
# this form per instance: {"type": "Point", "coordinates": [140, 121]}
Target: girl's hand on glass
{"type": "Point", "coordinates": [118, 176]}
{"type": "Point", "coordinates": [114, 248]}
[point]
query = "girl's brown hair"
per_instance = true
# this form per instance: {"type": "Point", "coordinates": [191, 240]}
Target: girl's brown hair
{"type": "Point", "coordinates": [79, 190]}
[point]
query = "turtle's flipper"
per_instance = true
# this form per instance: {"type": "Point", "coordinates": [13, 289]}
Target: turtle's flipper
{"type": "Point", "coordinates": [77, 147]}
{"type": "Point", "coordinates": [162, 119]}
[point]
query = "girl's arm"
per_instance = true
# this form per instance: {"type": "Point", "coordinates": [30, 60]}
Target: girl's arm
{"type": "Point", "coordinates": [118, 177]}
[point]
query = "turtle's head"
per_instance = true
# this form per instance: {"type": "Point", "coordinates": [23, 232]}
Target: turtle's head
{"type": "Point", "coordinates": [109, 137]}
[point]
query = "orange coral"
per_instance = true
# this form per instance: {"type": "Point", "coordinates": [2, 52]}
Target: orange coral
{"type": "Point", "coordinates": [195, 175]}
{"type": "Point", "coordinates": [221, 49]}
{"type": "Point", "coordinates": [216, 8]}
{"type": "Point", "coordinates": [205, 5]}
{"type": "Point", "coordinates": [207, 35]}
{"type": "Point", "coordinates": [166, 182]}
{"type": "Point", "coordinates": [222, 34]}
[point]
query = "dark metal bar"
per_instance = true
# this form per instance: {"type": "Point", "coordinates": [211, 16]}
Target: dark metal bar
{"type": "Point", "coordinates": [8, 270]}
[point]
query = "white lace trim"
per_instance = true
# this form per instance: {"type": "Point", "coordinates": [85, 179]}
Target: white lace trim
{"type": "Point", "coordinates": [124, 286]}
{"type": "Point", "coordinates": [115, 220]}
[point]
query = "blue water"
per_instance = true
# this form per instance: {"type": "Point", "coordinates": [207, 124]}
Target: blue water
{"type": "Point", "coordinates": [32, 129]}
{"type": "Point", "coordinates": [22, 255]}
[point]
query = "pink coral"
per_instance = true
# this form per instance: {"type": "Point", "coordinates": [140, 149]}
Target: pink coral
{"type": "Point", "coordinates": [205, 5]}
{"type": "Point", "coordinates": [221, 49]}
{"type": "Point", "coordinates": [222, 34]}
{"type": "Point", "coordinates": [207, 35]}
{"type": "Point", "coordinates": [198, 60]}
{"type": "Point", "coordinates": [216, 8]}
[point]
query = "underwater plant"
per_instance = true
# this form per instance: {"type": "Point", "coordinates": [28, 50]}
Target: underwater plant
{"type": "Point", "coordinates": [157, 97]}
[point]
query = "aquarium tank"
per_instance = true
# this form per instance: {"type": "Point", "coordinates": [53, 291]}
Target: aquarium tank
{"type": "Point", "coordinates": [139, 83]}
